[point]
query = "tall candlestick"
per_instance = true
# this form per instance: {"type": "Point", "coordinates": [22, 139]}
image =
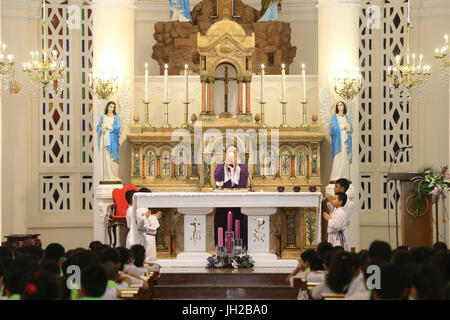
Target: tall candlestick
{"type": "Point", "coordinates": [146, 83]}
{"type": "Point", "coordinates": [304, 81]}
{"type": "Point", "coordinates": [283, 83]}
{"type": "Point", "coordinates": [166, 80]}
{"type": "Point", "coordinates": [244, 97]}
{"type": "Point", "coordinates": [220, 237]}
{"type": "Point", "coordinates": [186, 83]}
{"type": "Point", "coordinates": [237, 229]}
{"type": "Point", "coordinates": [262, 83]}
{"type": "Point", "coordinates": [229, 221]}
{"type": "Point", "coordinates": [43, 11]}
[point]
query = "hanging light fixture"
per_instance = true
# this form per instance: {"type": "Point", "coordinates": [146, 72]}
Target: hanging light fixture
{"type": "Point", "coordinates": [45, 70]}
{"type": "Point", "coordinates": [408, 71]}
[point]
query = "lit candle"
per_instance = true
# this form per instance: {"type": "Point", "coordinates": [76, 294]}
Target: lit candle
{"type": "Point", "coordinates": [166, 79]}
{"type": "Point", "coordinates": [10, 58]}
{"type": "Point", "coordinates": [43, 11]}
{"type": "Point", "coordinates": [420, 59]}
{"type": "Point", "coordinates": [146, 83]}
{"type": "Point", "coordinates": [304, 81]}
{"type": "Point", "coordinates": [414, 58]}
{"type": "Point", "coordinates": [397, 59]}
{"type": "Point", "coordinates": [283, 83]}
{"type": "Point", "coordinates": [220, 237]}
{"type": "Point", "coordinates": [436, 52]}
{"type": "Point", "coordinates": [54, 54]}
{"type": "Point", "coordinates": [237, 229]}
{"type": "Point", "coordinates": [186, 83]}
{"type": "Point", "coordinates": [262, 83]}
{"type": "Point", "coordinates": [244, 97]}
{"type": "Point", "coordinates": [229, 221]}
{"type": "Point", "coordinates": [90, 79]}
{"type": "Point", "coordinates": [446, 39]}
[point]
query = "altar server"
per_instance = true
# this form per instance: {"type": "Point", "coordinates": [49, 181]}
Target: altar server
{"type": "Point", "coordinates": [151, 225]}
{"type": "Point", "coordinates": [132, 236]}
{"type": "Point", "coordinates": [337, 221]}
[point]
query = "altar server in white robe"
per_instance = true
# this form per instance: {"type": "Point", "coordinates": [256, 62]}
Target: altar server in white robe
{"type": "Point", "coordinates": [151, 225]}
{"type": "Point", "coordinates": [337, 221]}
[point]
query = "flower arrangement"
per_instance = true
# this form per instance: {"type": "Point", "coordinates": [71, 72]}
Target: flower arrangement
{"type": "Point", "coordinates": [226, 261]}
{"type": "Point", "coordinates": [431, 181]}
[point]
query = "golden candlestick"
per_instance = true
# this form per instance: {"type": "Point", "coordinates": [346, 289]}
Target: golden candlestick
{"type": "Point", "coordinates": [304, 103]}
{"type": "Point", "coordinates": [263, 123]}
{"type": "Point", "coordinates": [166, 124]}
{"type": "Point", "coordinates": [283, 114]}
{"type": "Point", "coordinates": [147, 124]}
{"type": "Point", "coordinates": [185, 125]}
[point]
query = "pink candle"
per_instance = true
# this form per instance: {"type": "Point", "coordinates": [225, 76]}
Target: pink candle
{"type": "Point", "coordinates": [220, 237]}
{"type": "Point", "coordinates": [229, 221]}
{"type": "Point", "coordinates": [228, 243]}
{"type": "Point", "coordinates": [237, 229]}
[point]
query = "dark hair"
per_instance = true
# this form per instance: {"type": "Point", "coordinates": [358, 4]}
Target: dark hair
{"type": "Point", "coordinates": [42, 286]}
{"type": "Point", "coordinates": [50, 266]}
{"type": "Point", "coordinates": [93, 281]}
{"type": "Point", "coordinates": [145, 190]}
{"type": "Point", "coordinates": [342, 197]}
{"type": "Point", "coordinates": [309, 255]}
{"type": "Point", "coordinates": [14, 281]}
{"type": "Point", "coordinates": [429, 282]}
{"type": "Point", "coordinates": [316, 265]}
{"type": "Point", "coordinates": [82, 258]}
{"type": "Point", "coordinates": [340, 273]}
{"type": "Point", "coordinates": [139, 255]}
{"type": "Point", "coordinates": [107, 106]}
{"type": "Point", "coordinates": [35, 251]}
{"type": "Point", "coordinates": [336, 107]}
{"type": "Point", "coordinates": [421, 254]}
{"type": "Point", "coordinates": [5, 252]}
{"type": "Point", "coordinates": [323, 247]}
{"type": "Point", "coordinates": [343, 183]}
{"type": "Point", "coordinates": [129, 196]}
{"type": "Point", "coordinates": [440, 246]}
{"type": "Point", "coordinates": [110, 255]}
{"type": "Point", "coordinates": [380, 249]}
{"type": "Point", "coordinates": [363, 258]}
{"type": "Point", "coordinates": [111, 270]}
{"type": "Point", "coordinates": [54, 251]}
{"type": "Point", "coordinates": [401, 257]}
{"type": "Point", "coordinates": [95, 245]}
{"type": "Point", "coordinates": [392, 282]}
{"type": "Point", "coordinates": [124, 256]}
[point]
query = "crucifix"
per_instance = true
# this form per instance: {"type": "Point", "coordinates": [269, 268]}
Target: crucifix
{"type": "Point", "coordinates": [226, 80]}
{"type": "Point", "coordinates": [195, 233]}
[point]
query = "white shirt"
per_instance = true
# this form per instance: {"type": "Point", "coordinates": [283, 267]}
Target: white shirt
{"type": "Point", "coordinates": [356, 286]}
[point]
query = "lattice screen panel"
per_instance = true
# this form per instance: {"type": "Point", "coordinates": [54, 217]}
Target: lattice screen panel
{"type": "Point", "coordinates": [56, 134]}
{"type": "Point", "coordinates": [87, 147]}
{"type": "Point", "coordinates": [388, 193]}
{"type": "Point", "coordinates": [56, 193]}
{"type": "Point", "coordinates": [366, 195]}
{"type": "Point", "coordinates": [87, 193]}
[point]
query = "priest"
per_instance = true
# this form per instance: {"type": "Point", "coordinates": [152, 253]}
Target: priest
{"type": "Point", "coordinates": [231, 175]}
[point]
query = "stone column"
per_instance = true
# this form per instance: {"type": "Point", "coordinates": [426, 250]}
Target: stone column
{"type": "Point", "coordinates": [338, 43]}
{"type": "Point", "coordinates": [240, 97]}
{"type": "Point", "coordinates": [203, 96]}
{"type": "Point", "coordinates": [113, 40]}
{"type": "Point", "coordinates": [211, 96]}
{"type": "Point", "coordinates": [247, 97]}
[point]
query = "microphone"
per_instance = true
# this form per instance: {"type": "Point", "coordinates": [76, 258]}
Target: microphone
{"type": "Point", "coordinates": [407, 147]}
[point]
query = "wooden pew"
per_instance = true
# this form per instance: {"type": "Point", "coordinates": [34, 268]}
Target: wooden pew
{"type": "Point", "coordinates": [333, 296]}
{"type": "Point", "coordinates": [310, 287]}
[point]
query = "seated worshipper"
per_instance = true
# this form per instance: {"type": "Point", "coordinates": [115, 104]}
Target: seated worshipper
{"type": "Point", "coordinates": [358, 282]}
{"type": "Point", "coordinates": [139, 257]}
{"type": "Point", "coordinates": [231, 174]}
{"type": "Point", "coordinates": [112, 274]}
{"type": "Point", "coordinates": [341, 185]}
{"type": "Point", "coordinates": [55, 251]}
{"type": "Point", "coordinates": [93, 283]}
{"type": "Point", "coordinates": [130, 266]}
{"type": "Point", "coordinates": [303, 266]}
{"type": "Point", "coordinates": [42, 285]}
{"type": "Point", "coordinates": [124, 256]}
{"type": "Point", "coordinates": [338, 278]}
{"type": "Point", "coordinates": [111, 255]}
{"type": "Point", "coordinates": [337, 224]}
{"type": "Point", "coordinates": [392, 283]}
{"type": "Point", "coordinates": [317, 274]}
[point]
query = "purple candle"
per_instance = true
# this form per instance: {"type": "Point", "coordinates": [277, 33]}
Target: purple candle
{"type": "Point", "coordinates": [228, 243]}
{"type": "Point", "coordinates": [220, 237]}
{"type": "Point", "coordinates": [237, 229]}
{"type": "Point", "coordinates": [229, 221]}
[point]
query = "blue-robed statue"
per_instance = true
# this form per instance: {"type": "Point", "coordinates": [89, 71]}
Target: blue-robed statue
{"type": "Point", "coordinates": [269, 10]}
{"type": "Point", "coordinates": [341, 133]}
{"type": "Point", "coordinates": [108, 134]}
{"type": "Point", "coordinates": [180, 10]}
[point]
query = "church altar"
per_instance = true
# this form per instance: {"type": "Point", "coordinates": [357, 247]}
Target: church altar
{"type": "Point", "coordinates": [258, 206]}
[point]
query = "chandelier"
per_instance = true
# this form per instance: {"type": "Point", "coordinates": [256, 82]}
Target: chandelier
{"type": "Point", "coordinates": [347, 83]}
{"type": "Point", "coordinates": [45, 70]}
{"type": "Point", "coordinates": [7, 64]}
{"type": "Point", "coordinates": [441, 54]}
{"type": "Point", "coordinates": [408, 72]}
{"type": "Point", "coordinates": [104, 83]}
